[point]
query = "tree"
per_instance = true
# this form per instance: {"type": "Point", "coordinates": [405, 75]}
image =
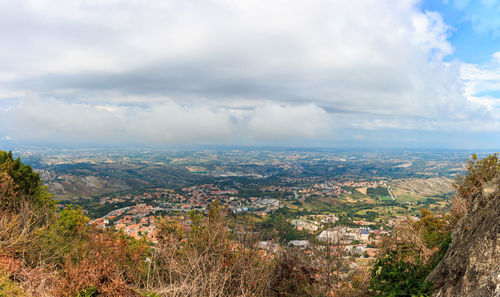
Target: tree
{"type": "Point", "coordinates": [433, 230]}
{"type": "Point", "coordinates": [19, 184]}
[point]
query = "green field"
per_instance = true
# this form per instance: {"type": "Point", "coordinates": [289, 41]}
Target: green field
{"type": "Point", "coordinates": [384, 198]}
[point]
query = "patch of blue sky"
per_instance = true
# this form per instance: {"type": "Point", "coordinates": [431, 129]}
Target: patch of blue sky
{"type": "Point", "coordinates": [475, 33]}
{"type": "Point", "coordinates": [490, 93]}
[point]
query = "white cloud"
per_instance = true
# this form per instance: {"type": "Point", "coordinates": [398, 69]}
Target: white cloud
{"type": "Point", "coordinates": [220, 70]}
{"type": "Point", "coordinates": [277, 122]}
{"type": "Point", "coordinates": [482, 84]}
{"type": "Point", "coordinates": [166, 122]}
{"type": "Point", "coordinates": [431, 34]}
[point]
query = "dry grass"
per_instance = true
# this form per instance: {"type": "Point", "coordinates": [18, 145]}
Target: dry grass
{"type": "Point", "coordinates": [207, 261]}
{"type": "Point", "coordinates": [33, 281]}
{"type": "Point", "coordinates": [107, 262]}
{"type": "Point", "coordinates": [459, 208]}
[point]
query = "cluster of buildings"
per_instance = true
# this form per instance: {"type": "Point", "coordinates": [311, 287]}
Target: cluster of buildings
{"type": "Point", "coordinates": [277, 189]}
{"type": "Point", "coordinates": [136, 198]}
{"type": "Point", "coordinates": [319, 188]}
{"type": "Point", "coordinates": [257, 205]}
{"type": "Point", "coordinates": [340, 240]}
{"type": "Point", "coordinates": [326, 189]}
{"type": "Point", "coordinates": [136, 221]}
{"type": "Point", "coordinates": [139, 219]}
{"type": "Point", "coordinates": [362, 184]}
{"type": "Point", "coordinates": [198, 197]}
{"type": "Point", "coordinates": [314, 222]}
{"type": "Point", "coordinates": [350, 241]}
{"type": "Point", "coordinates": [398, 220]}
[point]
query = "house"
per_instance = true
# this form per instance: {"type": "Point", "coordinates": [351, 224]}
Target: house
{"type": "Point", "coordinates": [339, 234]}
{"type": "Point", "coordinates": [364, 234]}
{"type": "Point", "coordinates": [299, 224]}
{"type": "Point", "coordinates": [302, 244]}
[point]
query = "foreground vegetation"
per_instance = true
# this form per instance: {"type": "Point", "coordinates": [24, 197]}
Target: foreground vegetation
{"type": "Point", "coordinates": [44, 252]}
{"type": "Point", "coordinates": [50, 252]}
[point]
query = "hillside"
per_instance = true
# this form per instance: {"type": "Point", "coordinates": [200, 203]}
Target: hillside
{"type": "Point", "coordinates": [425, 187]}
{"type": "Point", "coordinates": [86, 180]}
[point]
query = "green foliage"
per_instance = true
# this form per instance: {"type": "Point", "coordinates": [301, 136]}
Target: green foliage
{"type": "Point", "coordinates": [8, 288]}
{"type": "Point", "coordinates": [60, 237]}
{"type": "Point", "coordinates": [479, 171]}
{"type": "Point", "coordinates": [88, 292]}
{"type": "Point", "coordinates": [434, 230]}
{"type": "Point", "coordinates": [278, 226]}
{"type": "Point", "coordinates": [27, 185]}
{"type": "Point", "coordinates": [443, 248]}
{"type": "Point", "coordinates": [393, 277]}
{"type": "Point", "coordinates": [403, 270]}
{"type": "Point", "coordinates": [150, 294]}
{"type": "Point", "coordinates": [45, 237]}
{"type": "Point", "coordinates": [378, 191]}
{"type": "Point", "coordinates": [71, 221]}
{"type": "Point", "coordinates": [371, 215]}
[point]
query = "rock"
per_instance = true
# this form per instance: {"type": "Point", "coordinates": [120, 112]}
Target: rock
{"type": "Point", "coordinates": [471, 266]}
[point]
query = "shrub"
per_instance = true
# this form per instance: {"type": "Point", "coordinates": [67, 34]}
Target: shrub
{"type": "Point", "coordinates": [294, 275]}
{"type": "Point", "coordinates": [415, 250]}
{"type": "Point", "coordinates": [432, 230]}
{"type": "Point", "coordinates": [88, 261]}
{"type": "Point", "coordinates": [478, 172]}
{"type": "Point", "coordinates": [107, 264]}
{"type": "Point", "coordinates": [393, 276]}
{"type": "Point", "coordinates": [19, 231]}
{"type": "Point", "coordinates": [53, 242]}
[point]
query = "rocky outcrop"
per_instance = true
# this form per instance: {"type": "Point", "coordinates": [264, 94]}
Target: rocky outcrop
{"type": "Point", "coordinates": [471, 266]}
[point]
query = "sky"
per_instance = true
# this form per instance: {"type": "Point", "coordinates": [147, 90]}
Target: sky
{"type": "Point", "coordinates": [343, 73]}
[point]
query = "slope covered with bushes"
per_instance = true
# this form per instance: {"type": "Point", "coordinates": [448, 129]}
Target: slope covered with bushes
{"type": "Point", "coordinates": [45, 252]}
{"type": "Point", "coordinates": [49, 252]}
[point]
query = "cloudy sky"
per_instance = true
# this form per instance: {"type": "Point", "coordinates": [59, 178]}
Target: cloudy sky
{"type": "Point", "coordinates": [385, 73]}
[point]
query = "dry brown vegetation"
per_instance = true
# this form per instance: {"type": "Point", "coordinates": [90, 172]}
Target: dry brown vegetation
{"type": "Point", "coordinates": [49, 253]}
{"type": "Point", "coordinates": [207, 260]}
{"type": "Point", "coordinates": [478, 173]}
{"type": "Point", "coordinates": [212, 260]}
